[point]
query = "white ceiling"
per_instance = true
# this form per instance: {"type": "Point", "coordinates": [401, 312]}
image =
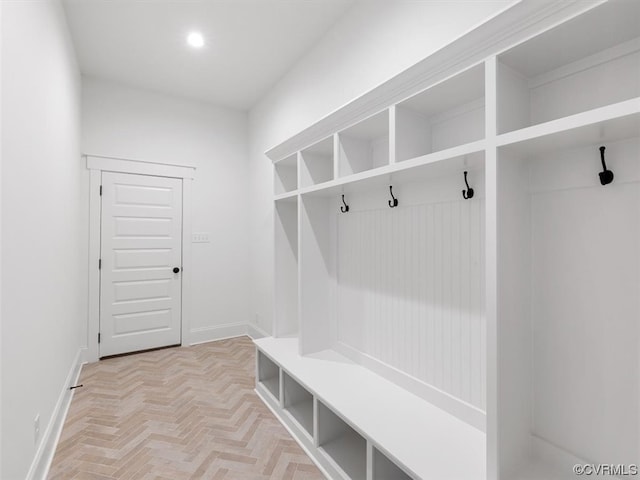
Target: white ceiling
{"type": "Point", "coordinates": [250, 44]}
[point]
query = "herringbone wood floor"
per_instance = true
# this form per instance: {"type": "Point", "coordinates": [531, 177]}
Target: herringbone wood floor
{"type": "Point", "coordinates": [179, 413]}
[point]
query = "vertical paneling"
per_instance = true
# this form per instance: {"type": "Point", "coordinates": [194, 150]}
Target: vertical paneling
{"type": "Point", "coordinates": [411, 291]}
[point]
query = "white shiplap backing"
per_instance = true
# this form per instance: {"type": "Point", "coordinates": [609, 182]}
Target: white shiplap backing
{"type": "Point", "coordinates": [411, 291]}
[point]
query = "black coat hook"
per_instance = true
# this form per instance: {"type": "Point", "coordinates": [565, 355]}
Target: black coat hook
{"type": "Point", "coordinates": [606, 176]}
{"type": "Point", "coordinates": [468, 193]}
{"type": "Point", "coordinates": [344, 209]}
{"type": "Point", "coordinates": [394, 202]}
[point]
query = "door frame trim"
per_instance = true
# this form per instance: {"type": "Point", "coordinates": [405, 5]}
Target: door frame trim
{"type": "Point", "coordinates": [96, 164]}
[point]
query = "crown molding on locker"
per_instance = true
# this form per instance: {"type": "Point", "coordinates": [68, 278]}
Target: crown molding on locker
{"type": "Point", "coordinates": [508, 28]}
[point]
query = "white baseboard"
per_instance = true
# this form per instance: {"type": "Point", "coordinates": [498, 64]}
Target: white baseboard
{"type": "Point", "coordinates": [256, 332]}
{"type": "Point", "coordinates": [47, 447]}
{"type": "Point", "coordinates": [84, 356]}
{"type": "Point", "coordinates": [218, 332]}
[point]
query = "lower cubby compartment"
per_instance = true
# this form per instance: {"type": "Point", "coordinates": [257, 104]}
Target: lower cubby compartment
{"type": "Point", "coordinates": [346, 447]}
{"type": "Point", "coordinates": [385, 469]}
{"type": "Point", "coordinates": [269, 375]}
{"type": "Point", "coordinates": [356, 412]}
{"type": "Point", "coordinates": [298, 402]}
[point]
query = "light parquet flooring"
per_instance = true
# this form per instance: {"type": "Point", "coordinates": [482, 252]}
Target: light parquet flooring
{"type": "Point", "coordinates": [179, 413]}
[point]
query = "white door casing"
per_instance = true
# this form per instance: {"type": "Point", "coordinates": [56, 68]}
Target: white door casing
{"type": "Point", "coordinates": [141, 245]}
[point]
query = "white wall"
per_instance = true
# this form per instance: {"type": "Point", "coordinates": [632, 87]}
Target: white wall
{"type": "Point", "coordinates": [124, 122]}
{"type": "Point", "coordinates": [1, 412]}
{"type": "Point", "coordinates": [373, 42]}
{"type": "Point", "coordinates": [44, 224]}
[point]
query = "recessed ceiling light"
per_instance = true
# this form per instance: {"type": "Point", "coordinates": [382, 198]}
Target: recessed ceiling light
{"type": "Point", "coordinates": [195, 39]}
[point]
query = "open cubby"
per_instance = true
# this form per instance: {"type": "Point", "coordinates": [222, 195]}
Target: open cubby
{"type": "Point", "coordinates": [385, 285]}
{"type": "Point", "coordinates": [317, 163]}
{"type": "Point", "coordinates": [587, 62]}
{"type": "Point", "coordinates": [269, 375]}
{"type": "Point", "coordinates": [298, 402]}
{"type": "Point", "coordinates": [568, 306]}
{"type": "Point", "coordinates": [286, 175]}
{"type": "Point", "coordinates": [342, 444]}
{"type": "Point", "coordinates": [286, 271]}
{"type": "Point", "coordinates": [317, 270]}
{"type": "Point", "coordinates": [364, 146]}
{"type": "Point", "coordinates": [385, 469]}
{"type": "Point", "coordinates": [446, 115]}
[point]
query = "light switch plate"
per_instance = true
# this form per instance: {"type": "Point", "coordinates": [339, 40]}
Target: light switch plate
{"type": "Point", "coordinates": [199, 238]}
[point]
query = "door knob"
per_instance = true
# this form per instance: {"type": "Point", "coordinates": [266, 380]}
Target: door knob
{"type": "Point", "coordinates": [176, 269]}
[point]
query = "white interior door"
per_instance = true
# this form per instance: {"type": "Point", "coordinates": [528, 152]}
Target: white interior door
{"type": "Point", "coordinates": [141, 261]}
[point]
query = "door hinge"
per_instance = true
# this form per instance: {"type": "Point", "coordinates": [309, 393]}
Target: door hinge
{"type": "Point", "coordinates": [100, 190]}
{"type": "Point", "coordinates": [99, 264]}
{"type": "Point", "coordinates": [98, 338]}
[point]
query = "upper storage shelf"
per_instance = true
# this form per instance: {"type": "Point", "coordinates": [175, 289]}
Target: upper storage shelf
{"type": "Point", "coordinates": [317, 163]}
{"type": "Point", "coordinates": [588, 62]}
{"type": "Point", "coordinates": [446, 115]}
{"type": "Point", "coordinates": [364, 146]}
{"type": "Point", "coordinates": [286, 175]}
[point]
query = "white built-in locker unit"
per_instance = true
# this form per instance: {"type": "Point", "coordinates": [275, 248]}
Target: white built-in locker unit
{"type": "Point", "coordinates": [457, 259]}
